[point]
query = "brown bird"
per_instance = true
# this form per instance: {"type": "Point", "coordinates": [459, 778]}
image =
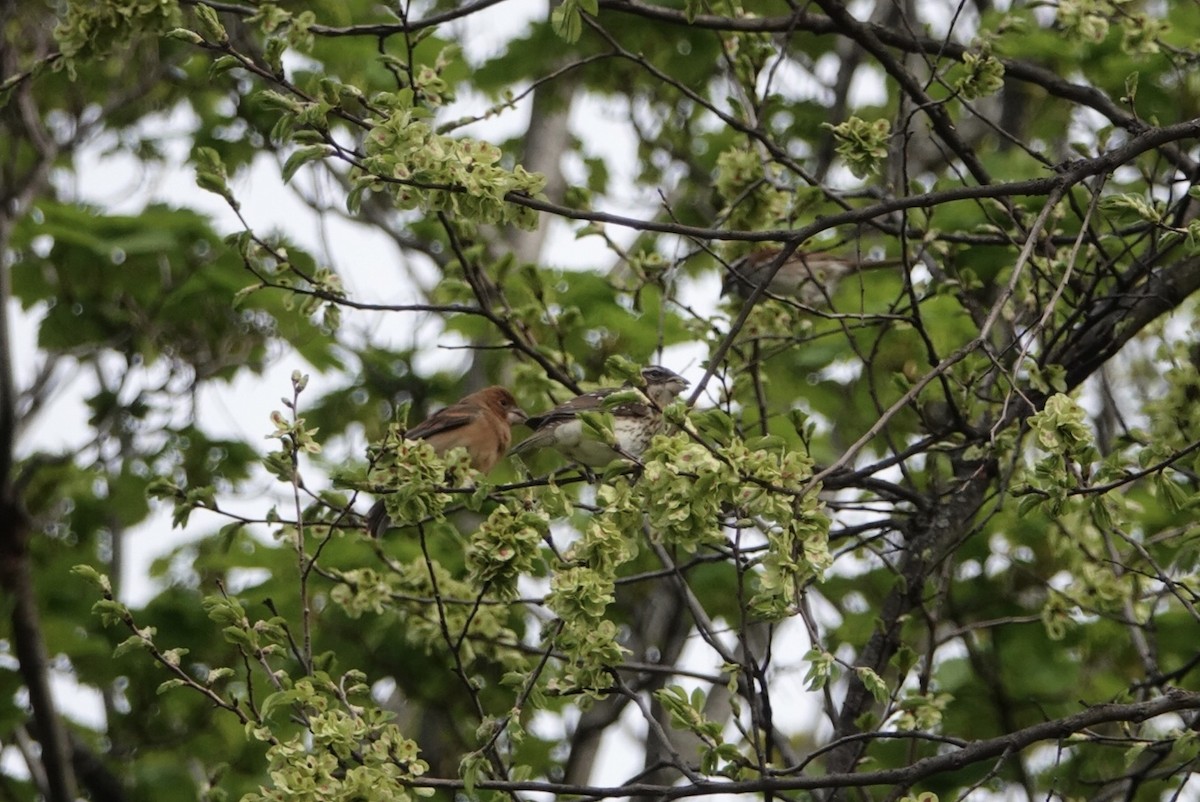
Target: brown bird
{"type": "Point", "coordinates": [481, 423]}
{"type": "Point", "coordinates": [810, 278]}
{"type": "Point", "coordinates": [634, 423]}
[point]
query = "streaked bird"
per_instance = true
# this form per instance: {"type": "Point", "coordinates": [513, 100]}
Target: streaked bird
{"type": "Point", "coordinates": [481, 423]}
{"type": "Point", "coordinates": [634, 423]}
{"type": "Point", "coordinates": [810, 278]}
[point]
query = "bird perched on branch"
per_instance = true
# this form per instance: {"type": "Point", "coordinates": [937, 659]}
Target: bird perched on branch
{"type": "Point", "coordinates": [810, 278]}
{"type": "Point", "coordinates": [634, 422]}
{"type": "Point", "coordinates": [481, 423]}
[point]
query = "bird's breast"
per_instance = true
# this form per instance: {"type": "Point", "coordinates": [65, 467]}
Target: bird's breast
{"type": "Point", "coordinates": [590, 450]}
{"type": "Point", "coordinates": [635, 433]}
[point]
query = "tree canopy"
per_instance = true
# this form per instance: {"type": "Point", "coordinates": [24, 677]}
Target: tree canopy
{"type": "Point", "coordinates": [924, 527]}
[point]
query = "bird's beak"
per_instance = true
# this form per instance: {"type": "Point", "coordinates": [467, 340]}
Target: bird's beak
{"type": "Point", "coordinates": [517, 415]}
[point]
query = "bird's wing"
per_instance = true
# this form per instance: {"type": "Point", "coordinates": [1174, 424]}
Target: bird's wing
{"type": "Point", "coordinates": [543, 437]}
{"type": "Point", "coordinates": [569, 409]}
{"type": "Point", "coordinates": [632, 409]}
{"type": "Point", "coordinates": [547, 431]}
{"type": "Point", "coordinates": [446, 419]}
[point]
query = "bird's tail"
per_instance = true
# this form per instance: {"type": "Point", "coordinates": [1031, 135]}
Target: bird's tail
{"type": "Point", "coordinates": [378, 520]}
{"type": "Point", "coordinates": [535, 440]}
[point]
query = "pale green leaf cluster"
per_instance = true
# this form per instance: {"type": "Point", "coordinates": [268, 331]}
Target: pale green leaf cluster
{"type": "Point", "coordinates": [1091, 20]}
{"type": "Point", "coordinates": [579, 592]}
{"type": "Point", "coordinates": [567, 17]}
{"type": "Point", "coordinates": [822, 667]}
{"type": "Point", "coordinates": [1061, 428]}
{"type": "Point", "coordinates": [582, 589]}
{"type": "Point", "coordinates": [506, 546]}
{"type": "Point", "coordinates": [687, 489]}
{"type": "Point", "coordinates": [1141, 34]}
{"type": "Point", "coordinates": [921, 712]}
{"type": "Point", "coordinates": [89, 29]}
{"type": "Point", "coordinates": [1135, 206]}
{"type": "Point", "coordinates": [295, 27]}
{"type": "Point", "coordinates": [873, 683]}
{"type": "Point", "coordinates": [589, 645]}
{"type": "Point", "coordinates": [609, 540]}
{"type": "Point", "coordinates": [684, 493]}
{"type": "Point", "coordinates": [185, 500]}
{"type": "Point", "coordinates": [211, 174]}
{"type": "Point", "coordinates": [101, 581]}
{"type": "Point", "coordinates": [364, 590]}
{"type": "Point", "coordinates": [423, 169]}
{"type": "Point", "coordinates": [683, 490]}
{"type": "Point", "coordinates": [1172, 413]}
{"type": "Point", "coordinates": [262, 638]}
{"type": "Point", "coordinates": [717, 757]}
{"type": "Point", "coordinates": [347, 752]}
{"type": "Point", "coordinates": [1062, 432]}
{"type": "Point", "coordinates": [1088, 528]}
{"type": "Point", "coordinates": [798, 552]}
{"type": "Point", "coordinates": [294, 437]}
{"type": "Point", "coordinates": [210, 24]}
{"type": "Point", "coordinates": [1093, 587]}
{"type": "Point", "coordinates": [751, 200]}
{"type": "Point", "coordinates": [1085, 19]}
{"type": "Point", "coordinates": [1056, 616]}
{"type": "Point", "coordinates": [985, 75]}
{"type": "Point", "coordinates": [773, 320]}
{"type": "Point", "coordinates": [862, 144]}
{"type": "Point", "coordinates": [416, 474]}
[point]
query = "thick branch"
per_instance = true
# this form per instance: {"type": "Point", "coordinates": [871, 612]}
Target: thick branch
{"type": "Point", "coordinates": [1123, 316]}
{"type": "Point", "coordinates": [1067, 174]}
{"type": "Point", "coordinates": [930, 538]}
{"type": "Point", "coordinates": [977, 752]}
{"type": "Point", "coordinates": [16, 572]}
{"type": "Point", "coordinates": [16, 578]}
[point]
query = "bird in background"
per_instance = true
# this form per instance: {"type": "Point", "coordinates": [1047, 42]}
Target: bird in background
{"type": "Point", "coordinates": [481, 423]}
{"type": "Point", "coordinates": [810, 278]}
{"type": "Point", "coordinates": [634, 423]}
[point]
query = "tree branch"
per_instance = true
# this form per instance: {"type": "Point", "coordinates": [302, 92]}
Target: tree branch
{"type": "Point", "coordinates": [976, 752]}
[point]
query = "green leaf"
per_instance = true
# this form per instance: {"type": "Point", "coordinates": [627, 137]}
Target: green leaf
{"type": "Point", "coordinates": [169, 684]}
{"type": "Point", "coordinates": [566, 20]}
{"type": "Point", "coordinates": [185, 35]}
{"type": "Point", "coordinates": [873, 683]}
{"type": "Point", "coordinates": [132, 643]}
{"type": "Point", "coordinates": [1131, 87]}
{"type": "Point", "coordinates": [213, 29]}
{"type": "Point", "coordinates": [820, 669]}
{"type": "Point", "coordinates": [92, 575]}
{"type": "Point", "coordinates": [302, 156]}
